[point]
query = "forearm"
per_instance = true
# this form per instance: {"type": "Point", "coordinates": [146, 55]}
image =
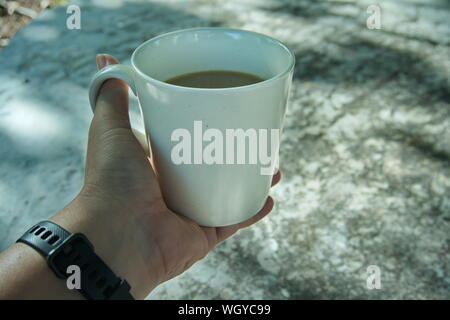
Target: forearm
{"type": "Point", "coordinates": [24, 273]}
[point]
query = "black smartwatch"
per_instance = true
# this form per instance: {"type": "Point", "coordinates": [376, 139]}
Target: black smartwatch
{"type": "Point", "coordinates": [62, 249]}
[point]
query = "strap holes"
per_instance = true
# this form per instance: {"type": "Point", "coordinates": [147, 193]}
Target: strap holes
{"type": "Point", "coordinates": [34, 229]}
{"type": "Point", "coordinates": [39, 231]}
{"type": "Point", "coordinates": [52, 240]}
{"type": "Point", "coordinates": [45, 235]}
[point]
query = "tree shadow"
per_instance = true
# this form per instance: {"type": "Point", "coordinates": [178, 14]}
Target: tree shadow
{"type": "Point", "coordinates": [306, 9]}
{"type": "Point", "coordinates": [362, 61]}
{"type": "Point", "coordinates": [417, 142]}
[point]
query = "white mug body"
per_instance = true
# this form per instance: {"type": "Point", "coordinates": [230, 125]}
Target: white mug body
{"type": "Point", "coordinates": [227, 191]}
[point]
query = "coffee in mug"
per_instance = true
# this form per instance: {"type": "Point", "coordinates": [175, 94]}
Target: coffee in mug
{"type": "Point", "coordinates": [214, 79]}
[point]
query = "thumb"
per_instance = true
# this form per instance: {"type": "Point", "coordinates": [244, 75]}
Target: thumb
{"type": "Point", "coordinates": [112, 101]}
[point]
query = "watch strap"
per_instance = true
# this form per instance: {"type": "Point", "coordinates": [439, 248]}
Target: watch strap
{"type": "Point", "coordinates": [62, 249]}
{"type": "Point", "coordinates": [44, 237]}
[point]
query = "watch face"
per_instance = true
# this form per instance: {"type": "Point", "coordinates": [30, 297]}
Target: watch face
{"type": "Point", "coordinates": [72, 251]}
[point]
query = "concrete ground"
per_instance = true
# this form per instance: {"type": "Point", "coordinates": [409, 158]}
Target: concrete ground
{"type": "Point", "coordinates": [365, 151]}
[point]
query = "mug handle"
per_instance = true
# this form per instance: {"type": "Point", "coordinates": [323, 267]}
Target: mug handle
{"type": "Point", "coordinates": [122, 72]}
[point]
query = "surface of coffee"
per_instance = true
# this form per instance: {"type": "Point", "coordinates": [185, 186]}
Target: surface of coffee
{"type": "Point", "coordinates": [214, 79]}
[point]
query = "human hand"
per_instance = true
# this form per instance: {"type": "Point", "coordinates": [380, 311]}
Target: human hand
{"type": "Point", "coordinates": [129, 223]}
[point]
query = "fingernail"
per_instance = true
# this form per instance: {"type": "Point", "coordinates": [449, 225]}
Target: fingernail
{"type": "Point", "coordinates": [101, 61]}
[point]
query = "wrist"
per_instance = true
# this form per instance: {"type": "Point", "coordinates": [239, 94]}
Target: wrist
{"type": "Point", "coordinates": [115, 238]}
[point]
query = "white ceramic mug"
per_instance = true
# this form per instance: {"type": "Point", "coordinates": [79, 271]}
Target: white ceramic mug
{"type": "Point", "coordinates": [210, 194]}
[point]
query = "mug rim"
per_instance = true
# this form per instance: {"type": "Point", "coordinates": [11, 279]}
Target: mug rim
{"type": "Point", "coordinates": [261, 83]}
